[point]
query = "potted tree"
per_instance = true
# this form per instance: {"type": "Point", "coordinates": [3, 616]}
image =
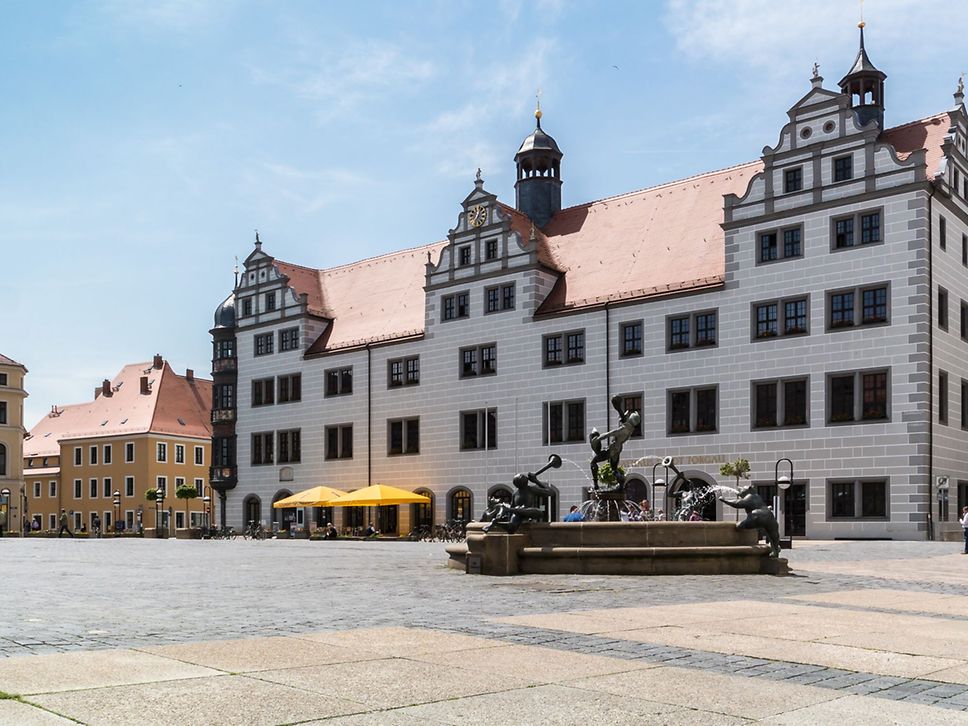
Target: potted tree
{"type": "Point", "coordinates": [740, 469]}
{"type": "Point", "coordinates": [187, 492]}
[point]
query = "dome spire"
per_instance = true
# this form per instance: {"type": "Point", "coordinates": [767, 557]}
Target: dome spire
{"type": "Point", "coordinates": [538, 186]}
{"type": "Point", "coordinates": [864, 84]}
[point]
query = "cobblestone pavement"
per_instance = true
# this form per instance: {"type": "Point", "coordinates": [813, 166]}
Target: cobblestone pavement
{"type": "Point", "coordinates": [71, 595]}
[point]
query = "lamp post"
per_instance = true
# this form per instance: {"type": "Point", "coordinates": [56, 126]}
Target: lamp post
{"type": "Point", "coordinates": [159, 506]}
{"type": "Point", "coordinates": [660, 482]}
{"type": "Point", "coordinates": [207, 501]}
{"type": "Point", "coordinates": [23, 511]}
{"type": "Point", "coordinates": [4, 509]}
{"type": "Point", "coordinates": [117, 508]}
{"type": "Point", "coordinates": [783, 482]}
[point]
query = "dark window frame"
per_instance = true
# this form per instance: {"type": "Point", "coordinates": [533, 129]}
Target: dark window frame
{"type": "Point", "coordinates": [793, 180]}
{"type": "Point", "coordinates": [409, 371]}
{"type": "Point", "coordinates": [856, 411]}
{"type": "Point", "coordinates": [855, 494]}
{"type": "Point", "coordinates": [626, 399]}
{"type": "Point", "coordinates": [841, 172]}
{"type": "Point", "coordinates": [289, 339]}
{"type": "Point", "coordinates": [479, 416]}
{"type": "Point", "coordinates": [263, 344]}
{"type": "Point", "coordinates": [261, 448]}
{"type": "Point", "coordinates": [942, 308]}
{"type": "Point", "coordinates": [343, 447]}
{"type": "Point", "coordinates": [289, 388]}
{"type": "Point", "coordinates": [490, 249]}
{"type": "Point", "coordinates": [563, 349]}
{"type": "Point", "coordinates": [943, 394]}
{"type": "Point", "coordinates": [623, 337]}
{"type": "Point", "coordinates": [455, 306]}
{"type": "Point", "coordinates": [781, 320]}
{"type": "Point", "coordinates": [858, 229]}
{"type": "Point", "coordinates": [857, 308]}
{"type": "Point", "coordinates": [781, 415]}
{"type": "Point", "coordinates": [263, 392]}
{"type": "Point", "coordinates": [500, 298]}
{"type": "Point", "coordinates": [407, 447]}
{"type": "Point", "coordinates": [340, 389]}
{"type": "Point", "coordinates": [564, 413]}
{"type": "Point", "coordinates": [779, 244]}
{"type": "Point", "coordinates": [674, 425]}
{"type": "Point", "coordinates": [674, 338]}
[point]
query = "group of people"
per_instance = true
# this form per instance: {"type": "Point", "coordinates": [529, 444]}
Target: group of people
{"type": "Point", "coordinates": [645, 513]}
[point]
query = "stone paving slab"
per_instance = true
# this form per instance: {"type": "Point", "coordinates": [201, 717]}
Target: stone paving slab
{"type": "Point", "coordinates": [715, 692]}
{"type": "Point", "coordinates": [24, 714]}
{"type": "Point", "coordinates": [95, 669]}
{"type": "Point", "coordinates": [889, 599]}
{"type": "Point", "coordinates": [237, 700]}
{"type": "Point", "coordinates": [866, 711]}
{"type": "Point", "coordinates": [394, 641]}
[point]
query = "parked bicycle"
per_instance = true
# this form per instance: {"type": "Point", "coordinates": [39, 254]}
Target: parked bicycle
{"type": "Point", "coordinates": [255, 530]}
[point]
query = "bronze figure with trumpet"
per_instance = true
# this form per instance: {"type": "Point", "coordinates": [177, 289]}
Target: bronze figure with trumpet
{"type": "Point", "coordinates": [522, 508]}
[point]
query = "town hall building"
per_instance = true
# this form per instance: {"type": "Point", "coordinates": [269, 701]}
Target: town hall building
{"type": "Point", "coordinates": [810, 306]}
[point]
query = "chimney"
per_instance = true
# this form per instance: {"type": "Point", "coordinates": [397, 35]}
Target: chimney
{"type": "Point", "coordinates": [106, 387]}
{"type": "Point", "coordinates": [97, 392]}
{"type": "Point", "coordinates": [159, 361]}
{"type": "Point", "coordinates": [144, 386]}
{"type": "Point", "coordinates": [189, 375]}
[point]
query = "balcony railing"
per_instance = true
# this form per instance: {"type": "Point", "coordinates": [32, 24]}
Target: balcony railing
{"type": "Point", "coordinates": [223, 415]}
{"type": "Point", "coordinates": [224, 365]}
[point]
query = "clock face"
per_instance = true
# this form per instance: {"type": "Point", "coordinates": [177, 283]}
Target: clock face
{"type": "Point", "coordinates": [476, 215]}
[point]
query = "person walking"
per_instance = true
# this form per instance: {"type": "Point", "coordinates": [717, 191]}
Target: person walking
{"type": "Point", "coordinates": [63, 525]}
{"type": "Point", "coordinates": [964, 524]}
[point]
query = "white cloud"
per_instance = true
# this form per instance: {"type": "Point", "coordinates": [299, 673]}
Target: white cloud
{"type": "Point", "coordinates": [783, 38]}
{"type": "Point", "coordinates": [284, 190]}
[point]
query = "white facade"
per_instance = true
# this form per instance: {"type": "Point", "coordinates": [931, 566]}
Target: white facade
{"type": "Point", "coordinates": [898, 456]}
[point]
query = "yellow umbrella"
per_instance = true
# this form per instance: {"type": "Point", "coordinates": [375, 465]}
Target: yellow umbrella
{"type": "Point", "coordinates": [378, 495]}
{"type": "Point", "coordinates": [315, 497]}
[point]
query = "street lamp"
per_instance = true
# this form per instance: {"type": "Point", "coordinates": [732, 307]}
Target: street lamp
{"type": "Point", "coordinates": [660, 482]}
{"type": "Point", "coordinates": [159, 505]}
{"type": "Point", "coordinates": [783, 482]}
{"type": "Point", "coordinates": [23, 511]}
{"type": "Point", "coordinates": [207, 501]}
{"type": "Point", "coordinates": [4, 509]}
{"type": "Point", "coordinates": [117, 508]}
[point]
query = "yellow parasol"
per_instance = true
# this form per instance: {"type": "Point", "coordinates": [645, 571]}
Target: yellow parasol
{"type": "Point", "coordinates": [315, 497]}
{"type": "Point", "coordinates": [378, 495]}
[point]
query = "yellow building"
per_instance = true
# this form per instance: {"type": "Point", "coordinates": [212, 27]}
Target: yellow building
{"type": "Point", "coordinates": [148, 428]}
{"type": "Point", "coordinates": [12, 395]}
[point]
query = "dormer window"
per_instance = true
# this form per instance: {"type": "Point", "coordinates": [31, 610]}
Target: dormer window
{"type": "Point", "coordinates": [464, 255]}
{"type": "Point", "coordinates": [843, 168]}
{"type": "Point", "coordinates": [793, 180]}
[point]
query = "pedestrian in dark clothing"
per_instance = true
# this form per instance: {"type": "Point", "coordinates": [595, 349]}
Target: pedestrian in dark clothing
{"type": "Point", "coordinates": [63, 525]}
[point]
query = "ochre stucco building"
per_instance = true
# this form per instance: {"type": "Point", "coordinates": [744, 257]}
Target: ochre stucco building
{"type": "Point", "coordinates": [12, 395]}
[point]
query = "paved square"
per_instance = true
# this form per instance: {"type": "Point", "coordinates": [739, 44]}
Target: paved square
{"type": "Point", "coordinates": [279, 632]}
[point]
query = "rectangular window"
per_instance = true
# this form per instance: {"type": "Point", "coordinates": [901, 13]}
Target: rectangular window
{"type": "Point", "coordinates": [873, 499]}
{"type": "Point", "coordinates": [768, 247]}
{"type": "Point", "coordinates": [869, 224]}
{"type": "Point", "coordinates": [679, 333]}
{"type": "Point", "coordinates": [964, 247]}
{"type": "Point", "coordinates": [705, 329]}
{"type": "Point", "coordinates": [52, 489]}
{"type": "Point", "coordinates": [262, 448]}
{"type": "Point", "coordinates": [289, 339]}
{"type": "Point", "coordinates": [339, 381]}
{"type": "Point", "coordinates": [478, 429]}
{"type": "Point", "coordinates": [468, 362]}
{"type": "Point", "coordinates": [791, 243]}
{"type": "Point", "coordinates": [873, 305]}
{"type": "Point", "coordinates": [404, 436]}
{"type": "Point", "coordinates": [493, 296]}
{"type": "Point", "coordinates": [223, 396]}
{"type": "Point", "coordinates": [842, 398]}
{"type": "Point", "coordinates": [263, 392]}
{"type": "Point", "coordinates": [843, 168]}
{"type": "Point", "coordinates": [490, 249]}
{"type": "Point", "coordinates": [564, 348]}
{"type": "Point", "coordinates": [869, 495]}
{"type": "Point", "coordinates": [339, 441]}
{"type": "Point", "coordinates": [246, 307]}
{"type": "Point", "coordinates": [793, 180]}
{"type": "Point", "coordinates": [161, 452]}
{"type": "Point", "coordinates": [270, 301]}
{"type": "Point", "coordinates": [844, 233]}
{"type": "Point", "coordinates": [861, 396]}
{"type": "Point", "coordinates": [765, 405]}
{"type": "Point", "coordinates": [861, 306]}
{"type": "Point", "coordinates": [107, 487]}
{"type": "Point", "coordinates": [964, 320]}
{"type": "Point", "coordinates": [199, 456]}
{"type": "Point", "coordinates": [942, 397]}
{"type": "Point", "coordinates": [129, 453]}
{"type": "Point", "coordinates": [576, 347]}
{"type": "Point", "coordinates": [224, 349]}
{"type": "Point", "coordinates": [689, 331]}
{"type": "Point", "coordinates": [263, 344]}
{"type": "Point", "coordinates": [179, 453]}
{"type": "Point", "coordinates": [403, 372]}
{"type": "Point", "coordinates": [290, 388]}
{"type": "Point", "coordinates": [77, 488]}
{"type": "Point", "coordinates": [942, 308]}
{"type": "Point", "coordinates": [3, 379]}
{"type": "Point", "coordinates": [795, 317]}
{"type": "Point", "coordinates": [693, 410]}
{"type": "Point", "coordinates": [564, 422]}
{"type": "Point", "coordinates": [964, 405]}
{"type": "Point", "coordinates": [766, 320]}
{"type": "Point", "coordinates": [77, 456]}
{"type": "Point", "coordinates": [631, 334]}
{"type": "Point", "coordinates": [464, 255]}
{"type": "Point", "coordinates": [552, 350]}
{"type": "Point", "coordinates": [499, 297]}
{"type": "Point", "coordinates": [488, 359]}
{"type": "Point", "coordinates": [107, 454]}
{"type": "Point", "coordinates": [875, 396]}
{"type": "Point", "coordinates": [290, 451]}
{"type": "Point", "coordinates": [129, 486]}
{"type": "Point", "coordinates": [3, 412]}
{"type": "Point", "coordinates": [870, 228]}
{"type": "Point", "coordinates": [36, 490]}
{"type": "Point", "coordinates": [842, 499]}
{"type": "Point", "coordinates": [455, 306]}
{"type": "Point", "coordinates": [942, 232]}
{"type": "Point", "coordinates": [92, 484]}
{"type": "Point", "coordinates": [795, 402]}
{"type": "Point", "coordinates": [93, 458]}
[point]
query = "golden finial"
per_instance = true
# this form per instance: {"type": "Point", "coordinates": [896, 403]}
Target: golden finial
{"type": "Point", "coordinates": [861, 24]}
{"type": "Point", "coordinates": [537, 110]}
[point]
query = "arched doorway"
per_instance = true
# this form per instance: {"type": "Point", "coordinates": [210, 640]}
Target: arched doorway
{"type": "Point", "coordinates": [251, 510]}
{"type": "Point", "coordinates": [286, 516]}
{"type": "Point", "coordinates": [690, 492]}
{"type": "Point", "coordinates": [501, 493]}
{"type": "Point", "coordinates": [461, 505]}
{"type": "Point", "coordinates": [422, 515]}
{"type": "Point", "coordinates": [636, 489]}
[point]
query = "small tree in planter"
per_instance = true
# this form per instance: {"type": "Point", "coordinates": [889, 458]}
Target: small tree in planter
{"type": "Point", "coordinates": [606, 476]}
{"type": "Point", "coordinates": [151, 495]}
{"type": "Point", "coordinates": [739, 469]}
{"type": "Point", "coordinates": [186, 492]}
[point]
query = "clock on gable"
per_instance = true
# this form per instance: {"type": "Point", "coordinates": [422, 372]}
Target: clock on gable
{"type": "Point", "coordinates": [477, 215]}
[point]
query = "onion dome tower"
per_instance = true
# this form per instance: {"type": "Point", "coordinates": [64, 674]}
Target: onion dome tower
{"type": "Point", "coordinates": [538, 186]}
{"type": "Point", "coordinates": [864, 85]}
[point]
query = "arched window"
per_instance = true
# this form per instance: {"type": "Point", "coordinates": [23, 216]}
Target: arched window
{"type": "Point", "coordinates": [3, 460]}
{"type": "Point", "coordinates": [636, 489]}
{"type": "Point", "coordinates": [284, 516]}
{"type": "Point", "coordinates": [251, 510]}
{"type": "Point", "coordinates": [422, 515]}
{"type": "Point", "coordinates": [461, 505]}
{"type": "Point", "coordinates": [501, 493]}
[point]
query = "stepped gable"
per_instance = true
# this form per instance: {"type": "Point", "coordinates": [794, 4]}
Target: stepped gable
{"type": "Point", "coordinates": [127, 411]}
{"type": "Point", "coordinates": [927, 133]}
{"type": "Point", "coordinates": [650, 242]}
{"type": "Point", "coordinates": [305, 281]}
{"type": "Point", "coordinates": [381, 298]}
{"type": "Point", "coordinates": [521, 223]}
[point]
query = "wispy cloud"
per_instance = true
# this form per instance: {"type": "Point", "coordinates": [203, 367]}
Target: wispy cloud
{"type": "Point", "coordinates": [342, 78]}
{"type": "Point", "coordinates": [277, 187]}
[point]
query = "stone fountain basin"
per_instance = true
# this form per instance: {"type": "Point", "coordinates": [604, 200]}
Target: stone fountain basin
{"type": "Point", "coordinates": [615, 548]}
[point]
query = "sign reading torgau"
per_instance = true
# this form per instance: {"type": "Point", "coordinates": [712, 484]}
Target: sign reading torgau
{"type": "Point", "coordinates": [679, 460]}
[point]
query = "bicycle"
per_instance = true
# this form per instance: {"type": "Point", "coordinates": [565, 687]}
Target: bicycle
{"type": "Point", "coordinates": [254, 531]}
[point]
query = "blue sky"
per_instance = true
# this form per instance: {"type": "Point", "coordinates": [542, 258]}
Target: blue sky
{"type": "Point", "coordinates": [144, 142]}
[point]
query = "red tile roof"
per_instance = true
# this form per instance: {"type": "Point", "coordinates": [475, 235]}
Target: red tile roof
{"type": "Point", "coordinates": [4, 360]}
{"type": "Point", "coordinates": [655, 241]}
{"type": "Point", "coordinates": [127, 411]}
